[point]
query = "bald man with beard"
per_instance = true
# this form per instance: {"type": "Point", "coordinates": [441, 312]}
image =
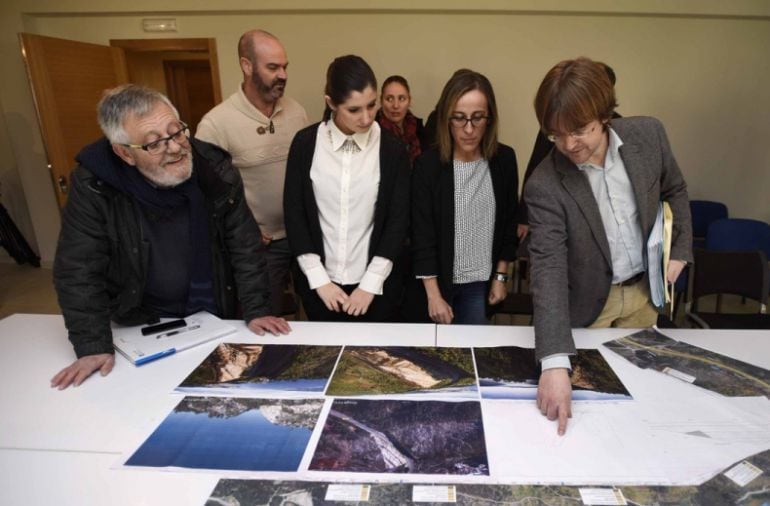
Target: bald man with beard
{"type": "Point", "coordinates": [256, 124]}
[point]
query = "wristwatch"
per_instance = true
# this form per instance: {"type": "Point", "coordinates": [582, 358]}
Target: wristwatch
{"type": "Point", "coordinates": [500, 276]}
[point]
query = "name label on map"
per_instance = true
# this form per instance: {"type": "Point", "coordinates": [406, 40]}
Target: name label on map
{"type": "Point", "coordinates": [679, 375]}
{"type": "Point", "coordinates": [434, 493]}
{"type": "Point", "coordinates": [743, 473]}
{"type": "Point", "coordinates": [602, 496]}
{"type": "Point", "coordinates": [353, 493]}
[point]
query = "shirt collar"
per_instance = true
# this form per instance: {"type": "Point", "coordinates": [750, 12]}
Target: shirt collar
{"type": "Point", "coordinates": [338, 138]}
{"type": "Point", "coordinates": [613, 149]}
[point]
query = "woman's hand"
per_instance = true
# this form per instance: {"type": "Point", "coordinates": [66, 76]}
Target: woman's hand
{"type": "Point", "coordinates": [439, 310]}
{"type": "Point", "coordinates": [497, 292]}
{"type": "Point", "coordinates": [358, 302]}
{"type": "Point", "coordinates": [332, 296]}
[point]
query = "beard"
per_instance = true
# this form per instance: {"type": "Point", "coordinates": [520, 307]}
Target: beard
{"type": "Point", "coordinates": [173, 170]}
{"type": "Point", "coordinates": [273, 89]}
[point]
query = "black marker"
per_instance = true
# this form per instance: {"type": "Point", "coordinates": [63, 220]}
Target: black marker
{"type": "Point", "coordinates": [161, 327]}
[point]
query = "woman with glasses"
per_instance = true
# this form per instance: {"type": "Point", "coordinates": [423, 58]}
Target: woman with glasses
{"type": "Point", "coordinates": [395, 115]}
{"type": "Point", "coordinates": [346, 203]}
{"type": "Point", "coordinates": [463, 205]}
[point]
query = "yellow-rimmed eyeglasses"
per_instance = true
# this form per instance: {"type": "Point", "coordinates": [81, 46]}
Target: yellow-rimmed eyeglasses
{"type": "Point", "coordinates": [161, 145]}
{"type": "Point", "coordinates": [579, 134]}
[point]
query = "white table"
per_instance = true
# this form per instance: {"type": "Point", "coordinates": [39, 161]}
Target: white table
{"type": "Point", "coordinates": [60, 446]}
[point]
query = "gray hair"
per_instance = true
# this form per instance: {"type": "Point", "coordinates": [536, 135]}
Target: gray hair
{"type": "Point", "coordinates": [119, 102]}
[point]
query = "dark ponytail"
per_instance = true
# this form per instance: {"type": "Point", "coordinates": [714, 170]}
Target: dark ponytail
{"type": "Point", "coordinates": [345, 75]}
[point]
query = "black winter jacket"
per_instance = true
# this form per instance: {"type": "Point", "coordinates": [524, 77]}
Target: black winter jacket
{"type": "Point", "coordinates": [101, 258]}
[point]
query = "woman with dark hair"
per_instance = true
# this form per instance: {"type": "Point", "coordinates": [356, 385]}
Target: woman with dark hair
{"type": "Point", "coordinates": [463, 205]}
{"type": "Point", "coordinates": [346, 202]}
{"type": "Point", "coordinates": [395, 115]}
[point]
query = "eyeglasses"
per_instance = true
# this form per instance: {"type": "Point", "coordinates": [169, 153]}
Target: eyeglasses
{"type": "Point", "coordinates": [579, 134]}
{"type": "Point", "coordinates": [460, 121]}
{"type": "Point", "coordinates": [161, 145]}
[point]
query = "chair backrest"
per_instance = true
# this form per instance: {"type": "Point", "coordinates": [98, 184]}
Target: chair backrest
{"type": "Point", "coordinates": [738, 234]}
{"type": "Point", "coordinates": [703, 213]}
{"type": "Point", "coordinates": [743, 273]}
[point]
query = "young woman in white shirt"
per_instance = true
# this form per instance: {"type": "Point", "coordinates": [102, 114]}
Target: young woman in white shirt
{"type": "Point", "coordinates": [346, 203]}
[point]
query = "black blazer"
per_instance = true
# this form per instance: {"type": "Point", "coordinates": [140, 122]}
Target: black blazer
{"type": "Point", "coordinates": [391, 212]}
{"type": "Point", "coordinates": [433, 213]}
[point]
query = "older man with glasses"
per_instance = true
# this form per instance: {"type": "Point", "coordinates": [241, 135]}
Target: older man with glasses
{"type": "Point", "coordinates": [156, 224]}
{"type": "Point", "coordinates": [592, 204]}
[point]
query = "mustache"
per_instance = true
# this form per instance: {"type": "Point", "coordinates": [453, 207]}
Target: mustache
{"type": "Point", "coordinates": [278, 82]}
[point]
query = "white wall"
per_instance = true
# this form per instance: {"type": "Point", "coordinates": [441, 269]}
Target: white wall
{"type": "Point", "coordinates": [702, 67]}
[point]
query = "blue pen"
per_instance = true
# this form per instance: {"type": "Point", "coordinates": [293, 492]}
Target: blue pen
{"type": "Point", "coordinates": [154, 356]}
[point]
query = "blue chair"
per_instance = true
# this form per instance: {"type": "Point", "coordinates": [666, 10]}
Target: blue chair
{"type": "Point", "coordinates": [737, 234]}
{"type": "Point", "coordinates": [704, 212]}
{"type": "Point", "coordinates": [743, 273]}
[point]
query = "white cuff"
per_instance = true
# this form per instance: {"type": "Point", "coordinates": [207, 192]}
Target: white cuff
{"type": "Point", "coordinates": [556, 361]}
{"type": "Point", "coordinates": [375, 275]}
{"type": "Point", "coordinates": [311, 266]}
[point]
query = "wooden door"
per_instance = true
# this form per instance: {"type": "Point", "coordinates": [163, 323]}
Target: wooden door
{"type": "Point", "coordinates": [67, 79]}
{"type": "Point", "coordinates": [188, 86]}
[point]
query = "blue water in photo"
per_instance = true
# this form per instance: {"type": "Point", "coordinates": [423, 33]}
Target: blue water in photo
{"type": "Point", "coordinates": [246, 442]}
{"type": "Point", "coordinates": [302, 385]}
{"type": "Point", "coordinates": [491, 389]}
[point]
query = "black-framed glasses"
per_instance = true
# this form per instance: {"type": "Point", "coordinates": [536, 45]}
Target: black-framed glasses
{"type": "Point", "coordinates": [460, 120]}
{"type": "Point", "coordinates": [161, 145]}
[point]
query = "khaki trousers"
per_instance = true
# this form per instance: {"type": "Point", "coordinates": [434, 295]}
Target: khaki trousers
{"type": "Point", "coordinates": [628, 307]}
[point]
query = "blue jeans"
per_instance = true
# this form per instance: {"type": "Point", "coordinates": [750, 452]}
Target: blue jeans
{"type": "Point", "coordinates": [468, 301]}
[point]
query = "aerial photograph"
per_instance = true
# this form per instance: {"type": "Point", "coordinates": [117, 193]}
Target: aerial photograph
{"type": "Point", "coordinates": [402, 436]}
{"type": "Point", "coordinates": [231, 433]}
{"type": "Point", "coordinates": [364, 370]}
{"type": "Point", "coordinates": [257, 370]}
{"type": "Point", "coordinates": [511, 372]}
{"type": "Point", "coordinates": [718, 490]}
{"type": "Point", "coordinates": [649, 349]}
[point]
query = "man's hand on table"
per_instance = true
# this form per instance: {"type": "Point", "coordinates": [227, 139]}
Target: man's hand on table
{"type": "Point", "coordinates": [273, 324]}
{"type": "Point", "coordinates": [554, 396]}
{"type": "Point", "coordinates": [82, 368]}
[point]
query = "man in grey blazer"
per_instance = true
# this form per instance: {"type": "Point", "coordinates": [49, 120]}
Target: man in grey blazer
{"type": "Point", "coordinates": [592, 204]}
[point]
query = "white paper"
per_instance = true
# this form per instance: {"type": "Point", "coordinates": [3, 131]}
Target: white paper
{"type": "Point", "coordinates": [436, 493]}
{"type": "Point", "coordinates": [352, 493]}
{"type": "Point", "coordinates": [743, 473]}
{"type": "Point", "coordinates": [602, 496]}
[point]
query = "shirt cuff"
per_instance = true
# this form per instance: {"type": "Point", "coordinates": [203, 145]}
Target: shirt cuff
{"type": "Point", "coordinates": [375, 275]}
{"type": "Point", "coordinates": [311, 266]}
{"type": "Point", "coordinates": [430, 276]}
{"type": "Point", "coordinates": [556, 361]}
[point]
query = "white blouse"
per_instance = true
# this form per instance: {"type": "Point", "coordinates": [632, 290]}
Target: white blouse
{"type": "Point", "coordinates": [346, 177]}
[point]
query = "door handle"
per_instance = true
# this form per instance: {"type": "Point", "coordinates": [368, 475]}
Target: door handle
{"type": "Point", "coordinates": [61, 181]}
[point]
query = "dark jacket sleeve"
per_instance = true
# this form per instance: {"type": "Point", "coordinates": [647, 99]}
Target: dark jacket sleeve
{"type": "Point", "coordinates": [425, 226]}
{"type": "Point", "coordinates": [539, 151]}
{"type": "Point", "coordinates": [80, 268]}
{"type": "Point", "coordinates": [673, 190]}
{"type": "Point", "coordinates": [297, 206]}
{"type": "Point", "coordinates": [394, 208]}
{"type": "Point", "coordinates": [510, 191]}
{"type": "Point", "coordinates": [247, 253]}
{"type": "Point", "coordinates": [549, 273]}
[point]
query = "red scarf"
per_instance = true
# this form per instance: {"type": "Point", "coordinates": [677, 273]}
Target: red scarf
{"type": "Point", "coordinates": [408, 136]}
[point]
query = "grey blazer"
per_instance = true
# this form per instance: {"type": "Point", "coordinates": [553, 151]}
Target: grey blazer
{"type": "Point", "coordinates": [569, 251]}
